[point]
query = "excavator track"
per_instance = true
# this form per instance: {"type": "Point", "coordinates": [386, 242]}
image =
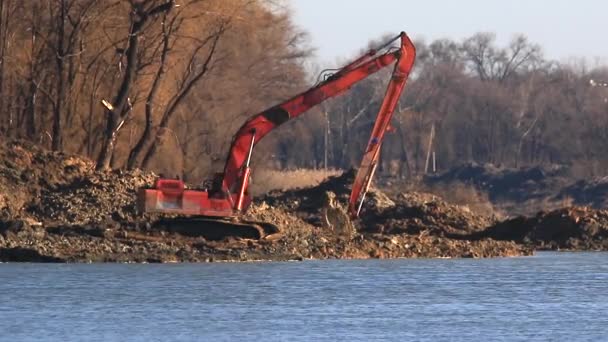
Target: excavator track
{"type": "Point", "coordinates": [216, 229]}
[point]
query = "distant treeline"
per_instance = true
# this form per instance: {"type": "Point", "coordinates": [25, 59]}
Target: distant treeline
{"type": "Point", "coordinates": [474, 101]}
{"type": "Point", "coordinates": [164, 85]}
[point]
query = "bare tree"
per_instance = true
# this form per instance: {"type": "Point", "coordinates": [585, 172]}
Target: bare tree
{"type": "Point", "coordinates": [193, 74]}
{"type": "Point", "coordinates": [8, 9]}
{"type": "Point", "coordinates": [492, 63]}
{"type": "Point", "coordinates": [119, 108]}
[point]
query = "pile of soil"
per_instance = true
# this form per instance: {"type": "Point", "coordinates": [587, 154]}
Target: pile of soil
{"type": "Point", "coordinates": [506, 184]}
{"type": "Point", "coordinates": [55, 207]}
{"type": "Point", "coordinates": [406, 225]}
{"type": "Point", "coordinates": [92, 198]}
{"type": "Point", "coordinates": [26, 170]}
{"type": "Point", "coordinates": [307, 202]}
{"type": "Point", "coordinates": [592, 193]}
{"type": "Point", "coordinates": [516, 191]}
{"type": "Point", "coordinates": [415, 212]}
{"type": "Point", "coordinates": [51, 187]}
{"type": "Point", "coordinates": [574, 228]}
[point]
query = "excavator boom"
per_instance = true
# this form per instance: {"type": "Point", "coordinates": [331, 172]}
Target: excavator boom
{"type": "Point", "coordinates": [229, 196]}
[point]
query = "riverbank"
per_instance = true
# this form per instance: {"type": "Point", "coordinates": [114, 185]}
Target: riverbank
{"type": "Point", "coordinates": [55, 208]}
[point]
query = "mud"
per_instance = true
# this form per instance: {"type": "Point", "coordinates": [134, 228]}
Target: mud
{"type": "Point", "coordinates": [55, 208]}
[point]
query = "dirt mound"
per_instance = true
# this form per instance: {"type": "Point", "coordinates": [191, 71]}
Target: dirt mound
{"type": "Point", "coordinates": [53, 187]}
{"type": "Point", "coordinates": [92, 198]}
{"type": "Point", "coordinates": [416, 212]}
{"type": "Point", "coordinates": [593, 193]}
{"type": "Point", "coordinates": [401, 237]}
{"type": "Point", "coordinates": [55, 207]}
{"type": "Point", "coordinates": [310, 199]}
{"type": "Point", "coordinates": [404, 213]}
{"type": "Point", "coordinates": [575, 228]}
{"type": "Point", "coordinates": [308, 203]}
{"type": "Point", "coordinates": [26, 170]}
{"type": "Point", "coordinates": [407, 225]}
{"type": "Point", "coordinates": [511, 184]}
{"type": "Point", "coordinates": [525, 191]}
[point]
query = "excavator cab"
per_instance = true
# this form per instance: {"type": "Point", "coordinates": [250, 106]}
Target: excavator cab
{"type": "Point", "coordinates": [171, 196]}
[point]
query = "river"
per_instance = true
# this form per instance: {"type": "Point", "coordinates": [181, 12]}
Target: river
{"type": "Point", "coordinates": [550, 296]}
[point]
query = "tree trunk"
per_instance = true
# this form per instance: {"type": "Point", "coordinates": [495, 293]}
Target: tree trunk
{"type": "Point", "coordinates": [186, 87]}
{"type": "Point", "coordinates": [118, 111]}
{"type": "Point", "coordinates": [107, 147]}
{"type": "Point", "coordinates": [145, 137]}
{"type": "Point", "coordinates": [147, 134]}
{"type": "Point", "coordinates": [56, 144]}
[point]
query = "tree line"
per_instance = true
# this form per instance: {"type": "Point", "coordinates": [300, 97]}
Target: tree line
{"type": "Point", "coordinates": [164, 84]}
{"type": "Point", "coordinates": [157, 84]}
{"type": "Point", "coordinates": [475, 101]}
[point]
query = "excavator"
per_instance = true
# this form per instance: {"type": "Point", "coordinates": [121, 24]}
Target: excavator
{"type": "Point", "coordinates": [227, 197]}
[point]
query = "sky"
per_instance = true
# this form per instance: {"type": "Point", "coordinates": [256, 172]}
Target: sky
{"type": "Point", "coordinates": [565, 29]}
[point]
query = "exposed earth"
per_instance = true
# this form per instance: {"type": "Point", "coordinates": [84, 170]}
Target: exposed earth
{"type": "Point", "coordinates": [56, 208]}
{"type": "Point", "coordinates": [524, 190]}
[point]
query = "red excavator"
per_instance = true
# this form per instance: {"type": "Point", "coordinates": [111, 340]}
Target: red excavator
{"type": "Point", "coordinates": [227, 196]}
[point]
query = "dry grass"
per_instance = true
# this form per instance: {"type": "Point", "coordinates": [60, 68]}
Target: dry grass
{"type": "Point", "coordinates": [267, 180]}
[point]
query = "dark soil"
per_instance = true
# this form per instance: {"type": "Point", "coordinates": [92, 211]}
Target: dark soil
{"type": "Point", "coordinates": [575, 228]}
{"type": "Point", "coordinates": [526, 190]}
{"type": "Point", "coordinates": [592, 193]}
{"type": "Point", "coordinates": [520, 184]}
{"type": "Point", "coordinates": [506, 184]}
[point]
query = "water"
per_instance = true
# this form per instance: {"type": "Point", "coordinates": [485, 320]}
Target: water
{"type": "Point", "coordinates": [551, 296]}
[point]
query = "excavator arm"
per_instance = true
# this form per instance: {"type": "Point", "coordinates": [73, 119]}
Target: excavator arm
{"type": "Point", "coordinates": [366, 170]}
{"type": "Point", "coordinates": [230, 197]}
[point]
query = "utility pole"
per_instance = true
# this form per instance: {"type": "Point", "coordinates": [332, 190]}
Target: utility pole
{"type": "Point", "coordinates": [428, 151]}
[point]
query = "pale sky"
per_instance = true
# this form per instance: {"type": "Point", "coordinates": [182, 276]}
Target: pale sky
{"type": "Point", "coordinates": [564, 28]}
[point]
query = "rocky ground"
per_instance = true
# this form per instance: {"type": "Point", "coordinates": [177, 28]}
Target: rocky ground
{"type": "Point", "coordinates": [55, 208]}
